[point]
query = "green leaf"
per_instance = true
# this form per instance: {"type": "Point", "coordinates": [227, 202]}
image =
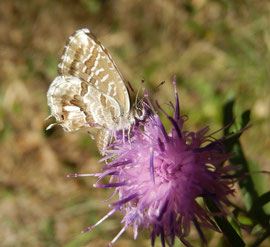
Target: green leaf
{"type": "Point", "coordinates": [260, 203]}
{"type": "Point", "coordinates": [232, 236]}
{"type": "Point", "coordinates": [247, 185]}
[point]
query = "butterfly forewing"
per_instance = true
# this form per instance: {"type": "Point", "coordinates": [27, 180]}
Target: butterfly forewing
{"type": "Point", "coordinates": [84, 57]}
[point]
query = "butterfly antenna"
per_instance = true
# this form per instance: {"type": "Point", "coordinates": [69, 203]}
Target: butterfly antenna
{"type": "Point", "coordinates": [130, 87]}
{"type": "Point", "coordinates": [137, 95]}
{"type": "Point", "coordinates": [159, 85]}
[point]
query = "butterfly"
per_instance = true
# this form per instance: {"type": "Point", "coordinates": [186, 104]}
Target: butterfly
{"type": "Point", "coordinates": [90, 90]}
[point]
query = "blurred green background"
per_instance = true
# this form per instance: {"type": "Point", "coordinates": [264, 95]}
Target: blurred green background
{"type": "Point", "coordinates": [219, 50]}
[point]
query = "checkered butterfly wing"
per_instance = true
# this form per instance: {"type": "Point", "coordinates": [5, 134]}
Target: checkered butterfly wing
{"type": "Point", "coordinates": [89, 88]}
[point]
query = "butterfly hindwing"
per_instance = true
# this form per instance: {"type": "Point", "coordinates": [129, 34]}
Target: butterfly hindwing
{"type": "Point", "coordinates": [75, 105]}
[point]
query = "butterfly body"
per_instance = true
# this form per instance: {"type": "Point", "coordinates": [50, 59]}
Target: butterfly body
{"type": "Point", "coordinates": [90, 90]}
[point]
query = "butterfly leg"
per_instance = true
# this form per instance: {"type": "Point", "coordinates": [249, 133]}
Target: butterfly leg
{"type": "Point", "coordinates": [129, 134]}
{"type": "Point", "coordinates": [123, 135]}
{"type": "Point", "coordinates": [111, 137]}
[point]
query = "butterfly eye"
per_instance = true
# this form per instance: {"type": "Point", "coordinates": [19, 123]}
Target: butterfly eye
{"type": "Point", "coordinates": [62, 117]}
{"type": "Point", "coordinates": [140, 113]}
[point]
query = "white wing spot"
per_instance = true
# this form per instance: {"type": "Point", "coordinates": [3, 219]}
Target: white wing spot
{"type": "Point", "coordinates": [84, 30]}
{"type": "Point", "coordinates": [96, 84]}
{"type": "Point", "coordinates": [111, 86]}
{"type": "Point", "coordinates": [71, 108]}
{"type": "Point", "coordinates": [84, 39]}
{"type": "Point", "coordinates": [105, 77]}
{"type": "Point", "coordinates": [87, 57]}
{"type": "Point", "coordinates": [98, 71]}
{"type": "Point", "coordinates": [92, 49]}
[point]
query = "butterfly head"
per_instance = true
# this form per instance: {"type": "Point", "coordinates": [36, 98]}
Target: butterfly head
{"type": "Point", "coordinates": [139, 112]}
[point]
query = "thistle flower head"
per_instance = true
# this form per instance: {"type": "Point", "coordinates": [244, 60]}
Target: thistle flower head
{"type": "Point", "coordinates": [160, 176]}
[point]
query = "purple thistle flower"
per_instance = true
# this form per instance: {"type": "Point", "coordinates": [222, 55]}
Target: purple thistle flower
{"type": "Point", "coordinates": [159, 176]}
